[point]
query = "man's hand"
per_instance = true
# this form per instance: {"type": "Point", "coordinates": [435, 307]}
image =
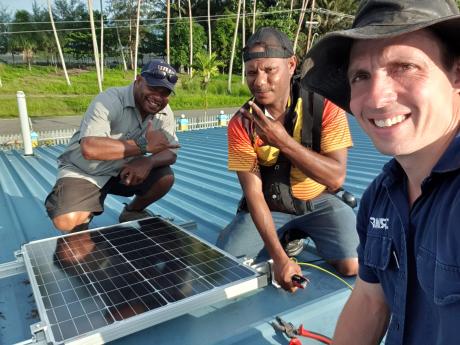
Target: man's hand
{"type": "Point", "coordinates": [284, 272]}
{"type": "Point", "coordinates": [136, 171]}
{"type": "Point", "coordinates": [157, 141]}
{"type": "Point", "coordinates": [272, 132]}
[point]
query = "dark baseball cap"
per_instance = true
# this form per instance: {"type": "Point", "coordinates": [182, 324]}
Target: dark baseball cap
{"type": "Point", "coordinates": [275, 44]}
{"type": "Point", "coordinates": [325, 68]}
{"type": "Point", "coordinates": [159, 73]}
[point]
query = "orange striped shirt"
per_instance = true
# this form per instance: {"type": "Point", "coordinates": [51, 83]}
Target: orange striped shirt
{"type": "Point", "coordinates": [335, 135]}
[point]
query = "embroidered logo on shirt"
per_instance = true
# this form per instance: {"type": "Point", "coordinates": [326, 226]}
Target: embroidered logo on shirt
{"type": "Point", "coordinates": [379, 223]}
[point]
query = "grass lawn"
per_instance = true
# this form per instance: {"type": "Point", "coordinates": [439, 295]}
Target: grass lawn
{"type": "Point", "coordinates": [47, 93]}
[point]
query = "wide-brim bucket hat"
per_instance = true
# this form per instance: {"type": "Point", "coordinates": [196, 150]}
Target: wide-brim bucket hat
{"type": "Point", "coordinates": [325, 68]}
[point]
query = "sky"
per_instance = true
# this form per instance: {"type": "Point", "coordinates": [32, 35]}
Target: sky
{"type": "Point", "coordinates": [14, 5]}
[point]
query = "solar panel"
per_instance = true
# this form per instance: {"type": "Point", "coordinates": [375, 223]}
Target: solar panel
{"type": "Point", "coordinates": [98, 285]}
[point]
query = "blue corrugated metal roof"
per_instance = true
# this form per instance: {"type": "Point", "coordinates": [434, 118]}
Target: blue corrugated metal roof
{"type": "Point", "coordinates": [204, 192]}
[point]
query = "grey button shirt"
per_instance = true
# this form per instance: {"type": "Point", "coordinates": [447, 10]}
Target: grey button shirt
{"type": "Point", "coordinates": [112, 114]}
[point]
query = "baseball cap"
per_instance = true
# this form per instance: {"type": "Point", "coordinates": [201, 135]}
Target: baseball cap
{"type": "Point", "coordinates": [159, 73]}
{"type": "Point", "coordinates": [274, 42]}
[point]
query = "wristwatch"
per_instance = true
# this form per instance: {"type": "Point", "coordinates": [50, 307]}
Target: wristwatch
{"type": "Point", "coordinates": [141, 142]}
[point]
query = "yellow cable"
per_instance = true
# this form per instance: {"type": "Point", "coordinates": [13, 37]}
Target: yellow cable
{"type": "Point", "coordinates": [323, 270]}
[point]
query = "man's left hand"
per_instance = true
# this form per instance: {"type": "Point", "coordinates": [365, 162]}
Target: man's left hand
{"type": "Point", "coordinates": [136, 171]}
{"type": "Point", "coordinates": [157, 141]}
{"type": "Point", "coordinates": [272, 132]}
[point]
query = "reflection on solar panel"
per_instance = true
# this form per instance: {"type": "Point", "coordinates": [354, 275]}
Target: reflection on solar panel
{"type": "Point", "coordinates": [98, 285]}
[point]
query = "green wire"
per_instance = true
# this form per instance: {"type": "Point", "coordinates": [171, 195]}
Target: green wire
{"type": "Point", "coordinates": [325, 271]}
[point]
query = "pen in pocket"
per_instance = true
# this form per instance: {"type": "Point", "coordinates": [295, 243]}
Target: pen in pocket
{"type": "Point", "coordinates": [396, 259]}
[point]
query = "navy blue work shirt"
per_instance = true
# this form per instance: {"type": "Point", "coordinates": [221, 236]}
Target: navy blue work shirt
{"type": "Point", "coordinates": [414, 253]}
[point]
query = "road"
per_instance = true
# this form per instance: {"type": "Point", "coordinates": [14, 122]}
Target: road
{"type": "Point", "coordinates": [12, 126]}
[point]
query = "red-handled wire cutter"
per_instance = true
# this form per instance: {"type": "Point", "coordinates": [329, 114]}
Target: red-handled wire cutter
{"type": "Point", "coordinates": [292, 332]}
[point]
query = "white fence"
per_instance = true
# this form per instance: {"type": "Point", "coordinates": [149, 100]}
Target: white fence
{"type": "Point", "coordinates": [47, 138]}
{"type": "Point", "coordinates": [62, 136]}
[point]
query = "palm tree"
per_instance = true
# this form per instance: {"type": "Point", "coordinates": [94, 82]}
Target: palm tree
{"type": "Point", "coordinates": [168, 18]}
{"type": "Point", "coordinates": [243, 36]}
{"type": "Point", "coordinates": [191, 38]}
{"type": "Point", "coordinates": [58, 44]}
{"type": "Point", "coordinates": [299, 26]}
{"type": "Point", "coordinates": [207, 66]}
{"type": "Point", "coordinates": [235, 35]}
{"type": "Point", "coordinates": [136, 45]}
{"type": "Point", "coordinates": [254, 16]}
{"type": "Point", "coordinates": [102, 43]}
{"type": "Point", "coordinates": [310, 25]}
{"type": "Point", "coordinates": [96, 51]}
{"type": "Point", "coordinates": [125, 68]}
{"type": "Point", "coordinates": [209, 28]}
{"type": "Point", "coordinates": [2, 68]}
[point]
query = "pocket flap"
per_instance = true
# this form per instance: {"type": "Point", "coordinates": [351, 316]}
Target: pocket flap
{"type": "Point", "coordinates": [377, 251]}
{"type": "Point", "coordinates": [438, 280]}
{"type": "Point", "coordinates": [446, 284]}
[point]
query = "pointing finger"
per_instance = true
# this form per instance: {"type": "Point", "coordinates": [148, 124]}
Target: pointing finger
{"type": "Point", "coordinates": [258, 114]}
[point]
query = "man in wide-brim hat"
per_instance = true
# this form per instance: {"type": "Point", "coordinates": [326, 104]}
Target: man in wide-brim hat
{"type": "Point", "coordinates": [397, 70]}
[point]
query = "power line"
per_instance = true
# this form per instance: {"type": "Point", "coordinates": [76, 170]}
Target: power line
{"type": "Point", "coordinates": [248, 14]}
{"type": "Point", "coordinates": [202, 19]}
{"type": "Point", "coordinates": [153, 19]}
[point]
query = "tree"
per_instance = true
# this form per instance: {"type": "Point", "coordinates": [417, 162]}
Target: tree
{"type": "Point", "coordinates": [136, 44]}
{"type": "Point", "coordinates": [206, 66]}
{"type": "Point", "coordinates": [235, 35]}
{"type": "Point", "coordinates": [2, 68]}
{"type": "Point", "coordinates": [222, 41]}
{"type": "Point", "coordinates": [96, 52]}
{"type": "Point", "coordinates": [168, 19]}
{"type": "Point", "coordinates": [299, 25]}
{"type": "Point", "coordinates": [209, 29]}
{"type": "Point", "coordinates": [124, 13]}
{"type": "Point", "coordinates": [58, 44]}
{"type": "Point", "coordinates": [180, 52]}
{"type": "Point", "coordinates": [102, 42]}
{"type": "Point", "coordinates": [190, 72]}
{"type": "Point", "coordinates": [5, 17]}
{"type": "Point", "coordinates": [72, 14]}
{"type": "Point", "coordinates": [24, 42]}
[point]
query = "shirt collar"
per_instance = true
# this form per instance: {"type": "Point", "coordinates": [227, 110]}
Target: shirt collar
{"type": "Point", "coordinates": [129, 96]}
{"type": "Point", "coordinates": [449, 161]}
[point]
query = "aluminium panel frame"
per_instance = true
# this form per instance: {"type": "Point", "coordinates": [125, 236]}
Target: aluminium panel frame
{"type": "Point", "coordinates": [150, 318]}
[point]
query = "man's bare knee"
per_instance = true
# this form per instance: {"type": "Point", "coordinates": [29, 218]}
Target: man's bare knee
{"type": "Point", "coordinates": [346, 267]}
{"type": "Point", "coordinates": [162, 185]}
{"type": "Point", "coordinates": [166, 181]}
{"type": "Point", "coordinates": [68, 221]}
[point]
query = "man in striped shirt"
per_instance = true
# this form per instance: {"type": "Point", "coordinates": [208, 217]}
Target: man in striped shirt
{"type": "Point", "coordinates": [288, 188]}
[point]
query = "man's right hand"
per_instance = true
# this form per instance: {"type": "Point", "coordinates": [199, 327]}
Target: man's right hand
{"type": "Point", "coordinates": [157, 141]}
{"type": "Point", "coordinates": [283, 273]}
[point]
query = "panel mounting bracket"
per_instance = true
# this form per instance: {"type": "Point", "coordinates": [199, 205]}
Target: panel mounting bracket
{"type": "Point", "coordinates": [13, 268]}
{"type": "Point", "coordinates": [38, 335]}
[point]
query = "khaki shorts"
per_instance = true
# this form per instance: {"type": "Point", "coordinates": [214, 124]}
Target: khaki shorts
{"type": "Point", "coordinates": [71, 194]}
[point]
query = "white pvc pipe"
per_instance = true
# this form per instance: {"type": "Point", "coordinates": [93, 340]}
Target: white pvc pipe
{"type": "Point", "coordinates": [24, 119]}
